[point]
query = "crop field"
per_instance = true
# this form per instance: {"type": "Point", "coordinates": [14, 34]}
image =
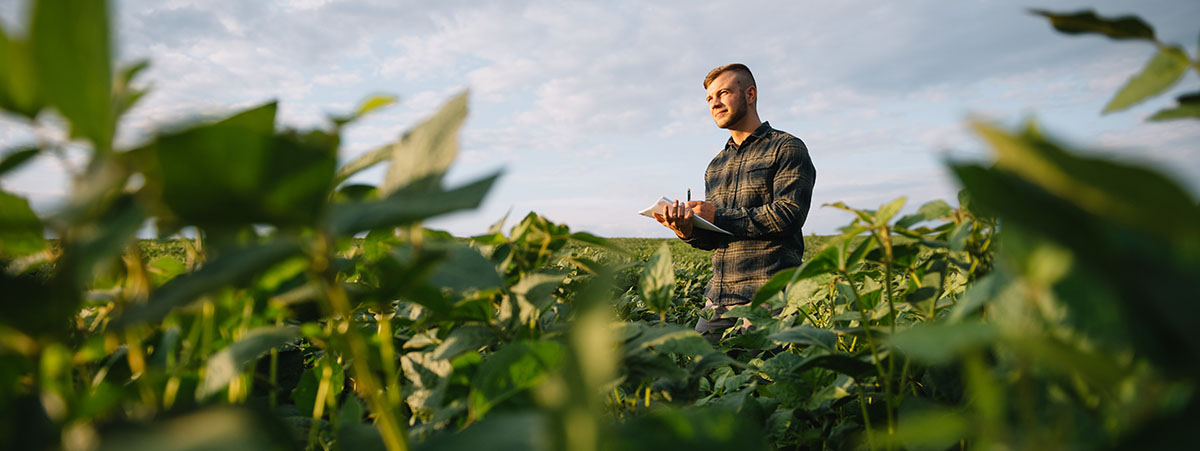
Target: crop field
{"type": "Point", "coordinates": [1050, 306]}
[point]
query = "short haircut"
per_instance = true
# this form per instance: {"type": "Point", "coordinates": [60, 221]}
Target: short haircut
{"type": "Point", "coordinates": [740, 68]}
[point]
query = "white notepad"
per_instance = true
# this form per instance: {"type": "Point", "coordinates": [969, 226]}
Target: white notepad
{"type": "Point", "coordinates": [697, 221]}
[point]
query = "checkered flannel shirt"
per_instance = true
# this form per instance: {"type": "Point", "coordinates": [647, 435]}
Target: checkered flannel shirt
{"type": "Point", "coordinates": [762, 190]}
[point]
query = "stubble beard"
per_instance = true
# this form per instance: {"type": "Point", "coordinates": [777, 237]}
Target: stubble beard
{"type": "Point", "coordinates": [732, 118]}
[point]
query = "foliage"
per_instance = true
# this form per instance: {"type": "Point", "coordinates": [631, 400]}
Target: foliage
{"type": "Point", "coordinates": [1051, 308]}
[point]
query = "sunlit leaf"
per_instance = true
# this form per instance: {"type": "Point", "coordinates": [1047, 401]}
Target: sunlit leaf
{"type": "Point", "coordinates": [74, 65]}
{"type": "Point", "coordinates": [888, 210]}
{"type": "Point", "coordinates": [228, 363]}
{"type": "Point", "coordinates": [1124, 27]}
{"type": "Point", "coordinates": [464, 338]}
{"type": "Point", "coordinates": [657, 283]}
{"type": "Point", "coordinates": [424, 153]}
{"type": "Point", "coordinates": [368, 105]}
{"type": "Point", "coordinates": [1160, 73]}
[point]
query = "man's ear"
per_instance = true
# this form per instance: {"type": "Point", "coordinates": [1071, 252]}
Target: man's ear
{"type": "Point", "coordinates": [752, 95]}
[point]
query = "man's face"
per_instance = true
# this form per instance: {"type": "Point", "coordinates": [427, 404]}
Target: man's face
{"type": "Point", "coordinates": [726, 100]}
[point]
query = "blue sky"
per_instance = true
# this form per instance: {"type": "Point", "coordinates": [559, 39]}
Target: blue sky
{"type": "Point", "coordinates": [595, 109]}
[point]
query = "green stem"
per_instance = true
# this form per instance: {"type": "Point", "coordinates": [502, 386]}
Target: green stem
{"type": "Point", "coordinates": [390, 427]}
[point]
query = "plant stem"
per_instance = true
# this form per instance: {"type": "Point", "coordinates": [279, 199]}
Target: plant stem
{"type": "Point", "coordinates": [390, 427]}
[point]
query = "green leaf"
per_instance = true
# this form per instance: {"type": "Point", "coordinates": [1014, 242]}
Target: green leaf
{"type": "Point", "coordinates": [351, 411]}
{"type": "Point", "coordinates": [887, 211]}
{"type": "Point", "coordinates": [1160, 73]}
{"type": "Point", "coordinates": [233, 268]}
{"type": "Point", "coordinates": [930, 211]}
{"type": "Point", "coordinates": [689, 429]}
{"type": "Point", "coordinates": [17, 158]}
{"type": "Point", "coordinates": [939, 343]}
{"type": "Point", "coordinates": [516, 367]}
{"type": "Point", "coordinates": [929, 428]}
{"type": "Point", "coordinates": [424, 153]}
{"type": "Point", "coordinates": [657, 283]}
{"type": "Point", "coordinates": [464, 338]}
{"type": "Point", "coordinates": [589, 239]}
{"type": "Point", "coordinates": [227, 363]}
{"type": "Point", "coordinates": [225, 427]}
{"type": "Point", "coordinates": [1134, 195]}
{"type": "Point", "coordinates": [124, 95]}
{"type": "Point", "coordinates": [516, 431]}
{"type": "Point", "coordinates": [21, 232]}
{"type": "Point", "coordinates": [465, 269]}
{"type": "Point", "coordinates": [237, 171]}
{"type": "Point", "coordinates": [1124, 27]}
{"type": "Point", "coordinates": [404, 207]}
{"type": "Point", "coordinates": [74, 65]}
{"type": "Point", "coordinates": [19, 92]}
{"type": "Point", "coordinates": [1189, 107]}
{"type": "Point", "coordinates": [305, 393]}
{"type": "Point", "coordinates": [368, 105]}
{"type": "Point", "coordinates": [807, 335]}
{"type": "Point", "coordinates": [537, 287]}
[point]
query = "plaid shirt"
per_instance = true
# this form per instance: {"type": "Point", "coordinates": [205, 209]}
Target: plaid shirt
{"type": "Point", "coordinates": [762, 190]}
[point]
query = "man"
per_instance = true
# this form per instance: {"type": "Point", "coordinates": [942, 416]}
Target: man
{"type": "Point", "coordinates": [759, 188]}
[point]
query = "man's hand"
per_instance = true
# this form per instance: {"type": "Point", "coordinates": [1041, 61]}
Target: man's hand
{"type": "Point", "coordinates": [678, 216]}
{"type": "Point", "coordinates": [703, 209]}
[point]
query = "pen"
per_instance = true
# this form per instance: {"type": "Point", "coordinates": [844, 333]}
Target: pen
{"type": "Point", "coordinates": [689, 194]}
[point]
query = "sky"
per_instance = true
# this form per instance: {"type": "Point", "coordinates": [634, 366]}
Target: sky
{"type": "Point", "coordinates": [593, 110]}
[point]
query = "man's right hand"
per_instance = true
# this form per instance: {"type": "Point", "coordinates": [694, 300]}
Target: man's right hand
{"type": "Point", "coordinates": [677, 217]}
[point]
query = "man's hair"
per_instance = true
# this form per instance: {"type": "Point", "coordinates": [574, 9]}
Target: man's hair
{"type": "Point", "coordinates": [746, 79]}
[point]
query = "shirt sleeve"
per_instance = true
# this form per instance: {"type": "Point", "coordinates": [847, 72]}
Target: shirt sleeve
{"type": "Point", "coordinates": [792, 197]}
{"type": "Point", "coordinates": [706, 240]}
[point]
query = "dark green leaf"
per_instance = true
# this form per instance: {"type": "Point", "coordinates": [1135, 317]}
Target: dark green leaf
{"type": "Point", "coordinates": [1124, 27]}
{"type": "Point", "coordinates": [807, 335]}
{"type": "Point", "coordinates": [523, 431]}
{"type": "Point", "coordinates": [237, 171]}
{"type": "Point", "coordinates": [21, 232]}
{"type": "Point", "coordinates": [465, 269]}
{"type": "Point", "coordinates": [939, 343]}
{"type": "Point", "coordinates": [404, 207]}
{"type": "Point", "coordinates": [1131, 194]}
{"type": "Point", "coordinates": [689, 429]}
{"type": "Point", "coordinates": [227, 363]}
{"type": "Point", "coordinates": [424, 153]}
{"type": "Point", "coordinates": [17, 158]}
{"type": "Point", "coordinates": [1189, 107]}
{"type": "Point", "coordinates": [19, 92]}
{"type": "Point", "coordinates": [224, 428]}
{"type": "Point", "coordinates": [841, 363]}
{"type": "Point", "coordinates": [74, 65]}
{"type": "Point", "coordinates": [235, 267]}
{"type": "Point", "coordinates": [305, 394]}
{"type": "Point", "coordinates": [516, 367]}
{"type": "Point", "coordinates": [1160, 73]}
{"type": "Point", "coordinates": [657, 283]}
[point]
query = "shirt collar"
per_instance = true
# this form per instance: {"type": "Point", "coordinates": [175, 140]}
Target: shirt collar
{"type": "Point", "coordinates": [758, 133]}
